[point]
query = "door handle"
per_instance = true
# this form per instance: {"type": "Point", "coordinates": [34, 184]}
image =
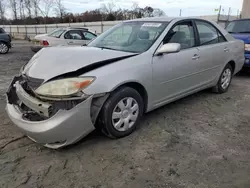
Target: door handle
{"type": "Point", "coordinates": [195, 57]}
{"type": "Point", "coordinates": [70, 42]}
{"type": "Point", "coordinates": [226, 49]}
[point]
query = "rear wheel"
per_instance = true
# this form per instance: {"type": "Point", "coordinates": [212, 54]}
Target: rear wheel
{"type": "Point", "coordinates": [4, 49]}
{"type": "Point", "coordinates": [225, 80]}
{"type": "Point", "coordinates": [121, 113]}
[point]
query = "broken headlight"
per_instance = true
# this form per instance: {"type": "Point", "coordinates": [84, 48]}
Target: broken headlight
{"type": "Point", "coordinates": [64, 87]}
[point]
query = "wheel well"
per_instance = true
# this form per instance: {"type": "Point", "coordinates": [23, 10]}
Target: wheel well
{"type": "Point", "coordinates": [140, 89]}
{"type": "Point", "coordinates": [2, 41]}
{"type": "Point", "coordinates": [232, 63]}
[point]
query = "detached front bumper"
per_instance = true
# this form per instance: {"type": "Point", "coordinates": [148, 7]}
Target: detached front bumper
{"type": "Point", "coordinates": [63, 128]}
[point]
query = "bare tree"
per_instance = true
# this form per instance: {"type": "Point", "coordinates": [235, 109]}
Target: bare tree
{"type": "Point", "coordinates": [109, 7]}
{"type": "Point", "coordinates": [2, 9]}
{"type": "Point", "coordinates": [13, 7]}
{"type": "Point", "coordinates": [45, 7]}
{"type": "Point", "coordinates": [21, 9]}
{"type": "Point", "coordinates": [59, 9]}
{"type": "Point", "coordinates": [136, 11]}
{"type": "Point", "coordinates": [28, 7]}
{"type": "Point", "coordinates": [158, 12]}
{"type": "Point", "coordinates": [148, 11]}
{"type": "Point", "coordinates": [35, 6]}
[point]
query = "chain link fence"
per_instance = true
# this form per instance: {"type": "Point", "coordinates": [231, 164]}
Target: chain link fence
{"type": "Point", "coordinates": [30, 31]}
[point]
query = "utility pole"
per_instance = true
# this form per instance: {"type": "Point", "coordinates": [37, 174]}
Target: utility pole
{"type": "Point", "coordinates": [180, 12]}
{"type": "Point", "coordinates": [219, 13]}
{"type": "Point", "coordinates": [229, 12]}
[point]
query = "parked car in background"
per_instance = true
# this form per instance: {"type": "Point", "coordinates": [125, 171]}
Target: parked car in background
{"type": "Point", "coordinates": [62, 94]}
{"type": "Point", "coordinates": [5, 42]}
{"type": "Point", "coordinates": [63, 36]}
{"type": "Point", "coordinates": [240, 29]}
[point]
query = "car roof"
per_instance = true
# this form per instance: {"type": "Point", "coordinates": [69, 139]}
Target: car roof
{"type": "Point", "coordinates": [246, 19]}
{"type": "Point", "coordinates": [154, 19]}
{"type": "Point", "coordinates": [166, 19]}
{"type": "Point", "coordinates": [80, 28]}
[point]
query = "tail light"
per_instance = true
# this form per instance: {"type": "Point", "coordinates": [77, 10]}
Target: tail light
{"type": "Point", "coordinates": [44, 43]}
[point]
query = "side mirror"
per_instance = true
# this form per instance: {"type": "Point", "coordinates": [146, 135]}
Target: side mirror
{"type": "Point", "coordinates": [169, 48]}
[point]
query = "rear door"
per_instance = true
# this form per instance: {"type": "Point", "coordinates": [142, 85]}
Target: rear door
{"type": "Point", "coordinates": [213, 50]}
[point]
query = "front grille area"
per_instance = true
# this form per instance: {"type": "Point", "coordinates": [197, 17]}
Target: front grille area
{"type": "Point", "coordinates": [28, 113]}
{"type": "Point", "coordinates": [33, 83]}
{"type": "Point", "coordinates": [31, 115]}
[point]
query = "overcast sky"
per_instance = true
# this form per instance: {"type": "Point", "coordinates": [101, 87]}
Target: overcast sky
{"type": "Point", "coordinates": [170, 7]}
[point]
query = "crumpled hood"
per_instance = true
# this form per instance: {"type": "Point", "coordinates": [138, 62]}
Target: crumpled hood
{"type": "Point", "coordinates": [53, 61]}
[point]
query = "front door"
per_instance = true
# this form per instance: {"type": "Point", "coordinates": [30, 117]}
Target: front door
{"type": "Point", "coordinates": [177, 73]}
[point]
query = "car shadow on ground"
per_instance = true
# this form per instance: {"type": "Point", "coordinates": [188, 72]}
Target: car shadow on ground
{"type": "Point", "coordinates": [244, 73]}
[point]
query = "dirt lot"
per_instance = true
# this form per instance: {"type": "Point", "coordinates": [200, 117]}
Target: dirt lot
{"type": "Point", "coordinates": [198, 142]}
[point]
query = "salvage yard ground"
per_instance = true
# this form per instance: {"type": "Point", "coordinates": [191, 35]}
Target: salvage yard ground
{"type": "Point", "coordinates": [201, 141]}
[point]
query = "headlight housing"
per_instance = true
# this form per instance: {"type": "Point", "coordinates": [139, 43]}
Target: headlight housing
{"type": "Point", "coordinates": [64, 87]}
{"type": "Point", "coordinates": [247, 47]}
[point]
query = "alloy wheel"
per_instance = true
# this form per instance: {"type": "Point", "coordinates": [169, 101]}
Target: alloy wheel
{"type": "Point", "coordinates": [3, 48]}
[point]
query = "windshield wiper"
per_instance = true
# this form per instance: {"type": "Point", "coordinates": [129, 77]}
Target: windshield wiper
{"type": "Point", "coordinates": [107, 48]}
{"type": "Point", "coordinates": [103, 47]}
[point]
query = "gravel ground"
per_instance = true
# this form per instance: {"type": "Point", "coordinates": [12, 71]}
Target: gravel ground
{"type": "Point", "coordinates": [201, 141]}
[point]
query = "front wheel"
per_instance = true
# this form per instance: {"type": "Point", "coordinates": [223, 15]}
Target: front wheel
{"type": "Point", "coordinates": [121, 113]}
{"type": "Point", "coordinates": [4, 49]}
{"type": "Point", "coordinates": [225, 80]}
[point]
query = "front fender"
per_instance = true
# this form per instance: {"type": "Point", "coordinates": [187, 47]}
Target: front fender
{"type": "Point", "coordinates": [136, 69]}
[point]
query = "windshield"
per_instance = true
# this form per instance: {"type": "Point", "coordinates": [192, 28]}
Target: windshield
{"type": "Point", "coordinates": [56, 33]}
{"type": "Point", "coordinates": [239, 26]}
{"type": "Point", "coordinates": [133, 36]}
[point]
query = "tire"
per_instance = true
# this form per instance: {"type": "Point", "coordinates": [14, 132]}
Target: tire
{"type": "Point", "coordinates": [121, 113]}
{"type": "Point", "coordinates": [4, 48]}
{"type": "Point", "coordinates": [224, 80]}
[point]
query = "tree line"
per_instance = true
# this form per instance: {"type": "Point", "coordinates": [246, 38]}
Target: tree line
{"type": "Point", "coordinates": [41, 11]}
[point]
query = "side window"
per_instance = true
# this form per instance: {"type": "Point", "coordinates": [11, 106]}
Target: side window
{"type": "Point", "coordinates": [221, 37]}
{"type": "Point", "coordinates": [88, 35]}
{"type": "Point", "coordinates": [1, 30]}
{"type": "Point", "coordinates": [74, 35]}
{"type": "Point", "coordinates": [208, 34]}
{"type": "Point", "coordinates": [183, 34]}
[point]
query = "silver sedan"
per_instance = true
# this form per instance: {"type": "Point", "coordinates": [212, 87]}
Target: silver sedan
{"type": "Point", "coordinates": [64, 93]}
{"type": "Point", "coordinates": [62, 36]}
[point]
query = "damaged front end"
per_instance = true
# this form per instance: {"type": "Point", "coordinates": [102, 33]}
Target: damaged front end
{"type": "Point", "coordinates": [51, 122]}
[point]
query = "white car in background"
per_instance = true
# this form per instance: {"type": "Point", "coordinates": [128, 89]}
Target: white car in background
{"type": "Point", "coordinates": [63, 36]}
